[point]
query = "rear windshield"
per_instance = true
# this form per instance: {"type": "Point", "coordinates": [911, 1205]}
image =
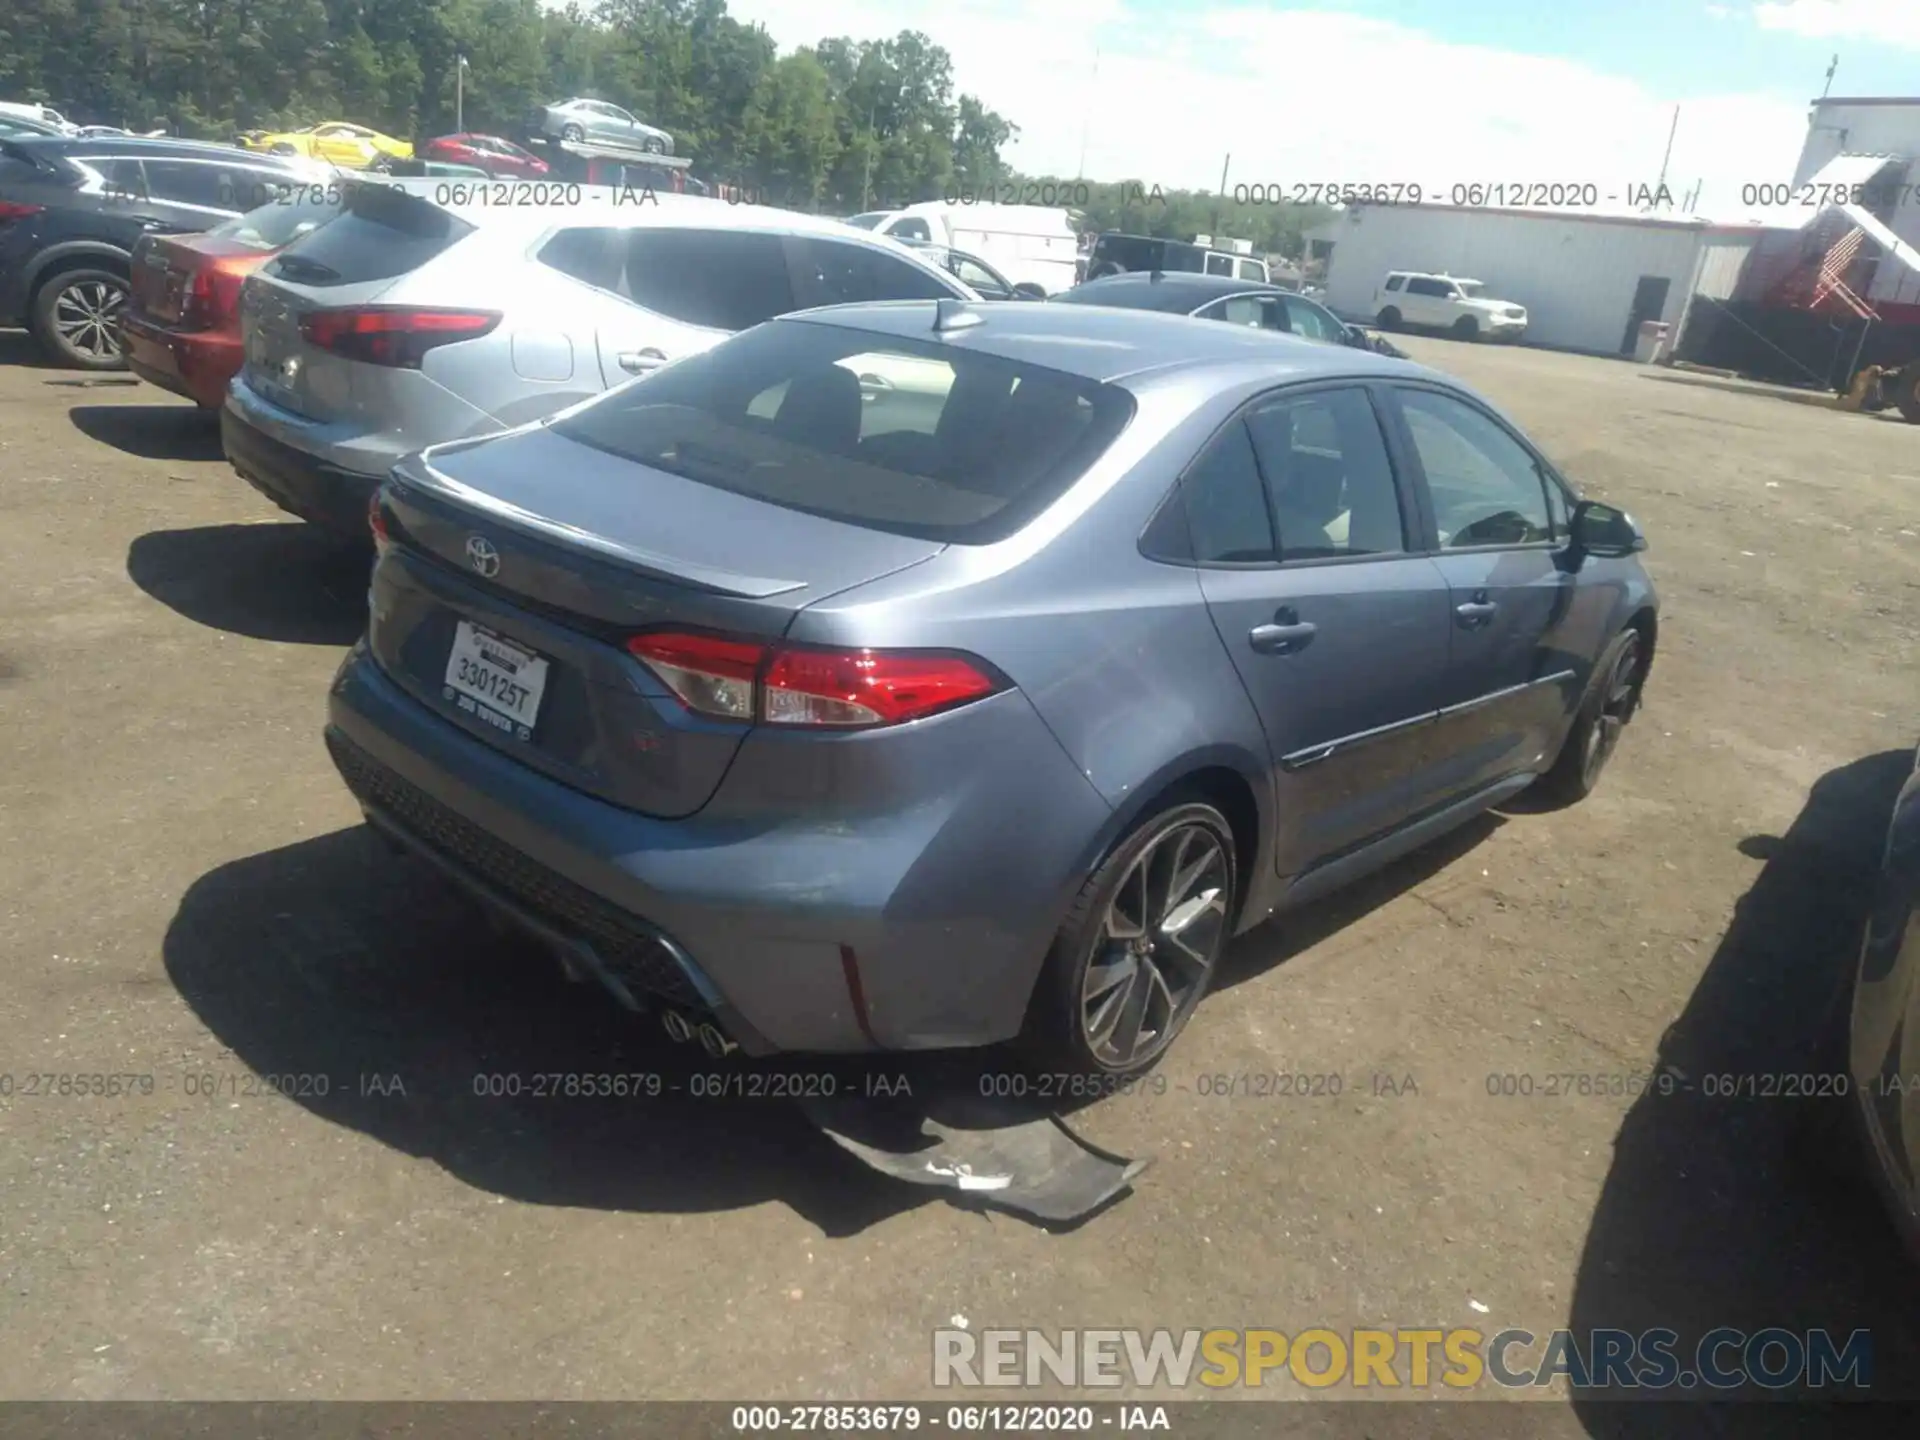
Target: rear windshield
{"type": "Point", "coordinates": [380, 234]}
{"type": "Point", "coordinates": [917, 438]}
{"type": "Point", "coordinates": [279, 222]}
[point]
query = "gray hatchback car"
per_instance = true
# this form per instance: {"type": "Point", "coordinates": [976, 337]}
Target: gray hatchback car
{"type": "Point", "coordinates": [986, 703]}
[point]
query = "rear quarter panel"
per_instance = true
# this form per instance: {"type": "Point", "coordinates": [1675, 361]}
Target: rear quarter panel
{"type": "Point", "coordinates": [1116, 652]}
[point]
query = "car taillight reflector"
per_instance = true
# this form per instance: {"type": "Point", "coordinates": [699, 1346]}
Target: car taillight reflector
{"type": "Point", "coordinates": [810, 686]}
{"type": "Point", "coordinates": [18, 210]}
{"type": "Point", "coordinates": [377, 522]}
{"type": "Point", "coordinates": [399, 336]}
{"type": "Point", "coordinates": [710, 675]}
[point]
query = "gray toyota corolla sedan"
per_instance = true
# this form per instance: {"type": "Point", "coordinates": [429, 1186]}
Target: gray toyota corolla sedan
{"type": "Point", "coordinates": [926, 674]}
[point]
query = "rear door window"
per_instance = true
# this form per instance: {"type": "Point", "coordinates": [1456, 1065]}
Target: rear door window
{"type": "Point", "coordinates": [829, 272]}
{"type": "Point", "coordinates": [381, 234]}
{"type": "Point", "coordinates": [1219, 265]}
{"type": "Point", "coordinates": [1326, 467]}
{"type": "Point", "coordinates": [716, 279]}
{"type": "Point", "coordinates": [586, 253]}
{"type": "Point", "coordinates": [901, 435]}
{"type": "Point", "coordinates": [1226, 504]}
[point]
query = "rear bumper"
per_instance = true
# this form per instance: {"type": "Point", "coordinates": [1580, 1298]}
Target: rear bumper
{"type": "Point", "coordinates": [811, 933]}
{"type": "Point", "coordinates": [198, 366]}
{"type": "Point", "coordinates": [322, 494]}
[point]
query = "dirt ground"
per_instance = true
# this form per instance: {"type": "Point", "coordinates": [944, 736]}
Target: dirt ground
{"type": "Point", "coordinates": [189, 895]}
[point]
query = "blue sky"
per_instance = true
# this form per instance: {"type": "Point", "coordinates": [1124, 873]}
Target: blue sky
{"type": "Point", "coordinates": [1676, 45]}
{"type": "Point", "coordinates": [1384, 91]}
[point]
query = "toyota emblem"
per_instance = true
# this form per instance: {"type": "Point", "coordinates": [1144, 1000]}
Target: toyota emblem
{"type": "Point", "coordinates": [482, 556]}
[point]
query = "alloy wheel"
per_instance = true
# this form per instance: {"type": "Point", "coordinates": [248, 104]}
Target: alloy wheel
{"type": "Point", "coordinates": [1156, 947]}
{"type": "Point", "coordinates": [1615, 709]}
{"type": "Point", "coordinates": [86, 316]}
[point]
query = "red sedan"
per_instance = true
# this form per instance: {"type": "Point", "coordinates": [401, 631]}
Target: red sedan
{"type": "Point", "coordinates": [181, 326]}
{"type": "Point", "coordinates": [488, 152]}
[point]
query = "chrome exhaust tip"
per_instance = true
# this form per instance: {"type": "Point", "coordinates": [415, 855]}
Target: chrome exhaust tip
{"type": "Point", "coordinates": [712, 1038]}
{"type": "Point", "coordinates": [717, 1044]}
{"type": "Point", "coordinates": [678, 1028]}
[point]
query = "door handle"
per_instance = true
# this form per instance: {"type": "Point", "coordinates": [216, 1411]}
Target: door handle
{"type": "Point", "coordinates": [1475, 613]}
{"type": "Point", "coordinates": [635, 361]}
{"type": "Point", "coordinates": [1285, 634]}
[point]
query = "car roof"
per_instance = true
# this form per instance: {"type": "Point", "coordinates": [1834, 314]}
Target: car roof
{"type": "Point", "coordinates": [1179, 292]}
{"type": "Point", "coordinates": [661, 207]}
{"type": "Point", "coordinates": [1098, 342]}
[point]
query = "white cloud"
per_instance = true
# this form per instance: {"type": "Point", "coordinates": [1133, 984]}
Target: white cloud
{"type": "Point", "coordinates": [1893, 22]}
{"type": "Point", "coordinates": [1310, 96]}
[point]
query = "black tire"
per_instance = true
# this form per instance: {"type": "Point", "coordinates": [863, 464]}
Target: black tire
{"type": "Point", "coordinates": [1104, 269]}
{"type": "Point", "coordinates": [1067, 1029]}
{"type": "Point", "coordinates": [1030, 290]}
{"type": "Point", "coordinates": [1905, 390]}
{"type": "Point", "coordinates": [1389, 318]}
{"type": "Point", "coordinates": [1613, 694]}
{"type": "Point", "coordinates": [573, 134]}
{"type": "Point", "coordinates": [1466, 328]}
{"type": "Point", "coordinates": [74, 315]}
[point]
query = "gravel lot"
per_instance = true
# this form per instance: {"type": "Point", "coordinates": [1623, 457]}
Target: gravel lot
{"type": "Point", "coordinates": [189, 895]}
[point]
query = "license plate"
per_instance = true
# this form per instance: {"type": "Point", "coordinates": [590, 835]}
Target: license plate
{"type": "Point", "coordinates": [495, 681]}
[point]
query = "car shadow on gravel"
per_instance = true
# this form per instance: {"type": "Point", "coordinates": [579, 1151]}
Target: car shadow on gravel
{"type": "Point", "coordinates": [1711, 1214]}
{"type": "Point", "coordinates": [173, 431]}
{"type": "Point", "coordinates": [286, 582]}
{"type": "Point", "coordinates": [336, 958]}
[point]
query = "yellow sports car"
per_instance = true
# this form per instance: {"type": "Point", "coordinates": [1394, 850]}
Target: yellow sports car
{"type": "Point", "coordinates": [335, 142]}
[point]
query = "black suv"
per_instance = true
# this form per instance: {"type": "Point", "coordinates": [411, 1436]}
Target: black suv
{"type": "Point", "coordinates": [71, 211]}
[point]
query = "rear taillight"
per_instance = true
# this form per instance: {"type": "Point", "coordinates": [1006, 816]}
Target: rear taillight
{"type": "Point", "coordinates": [212, 297]}
{"type": "Point", "coordinates": [395, 335]}
{"type": "Point", "coordinates": [377, 522]}
{"type": "Point", "coordinates": [810, 686]}
{"type": "Point", "coordinates": [18, 210]}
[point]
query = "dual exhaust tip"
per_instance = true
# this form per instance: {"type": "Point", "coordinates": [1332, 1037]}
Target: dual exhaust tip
{"type": "Point", "coordinates": [680, 1030]}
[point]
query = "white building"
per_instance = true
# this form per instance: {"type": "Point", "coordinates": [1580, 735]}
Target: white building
{"type": "Point", "coordinates": [1587, 279]}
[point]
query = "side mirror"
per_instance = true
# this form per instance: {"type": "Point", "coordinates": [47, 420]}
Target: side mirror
{"type": "Point", "coordinates": [1604, 530]}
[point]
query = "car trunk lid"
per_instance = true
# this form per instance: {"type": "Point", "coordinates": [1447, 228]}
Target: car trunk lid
{"type": "Point", "coordinates": [548, 555]}
{"type": "Point", "coordinates": [167, 270]}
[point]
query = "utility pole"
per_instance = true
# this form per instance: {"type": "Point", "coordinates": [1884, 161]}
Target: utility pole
{"type": "Point", "coordinates": [460, 94]}
{"type": "Point", "coordinates": [1223, 174]}
{"type": "Point", "coordinates": [1087, 119]}
{"type": "Point", "coordinates": [1671, 131]}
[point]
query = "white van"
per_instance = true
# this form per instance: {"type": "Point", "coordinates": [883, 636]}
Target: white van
{"type": "Point", "coordinates": [1034, 246]}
